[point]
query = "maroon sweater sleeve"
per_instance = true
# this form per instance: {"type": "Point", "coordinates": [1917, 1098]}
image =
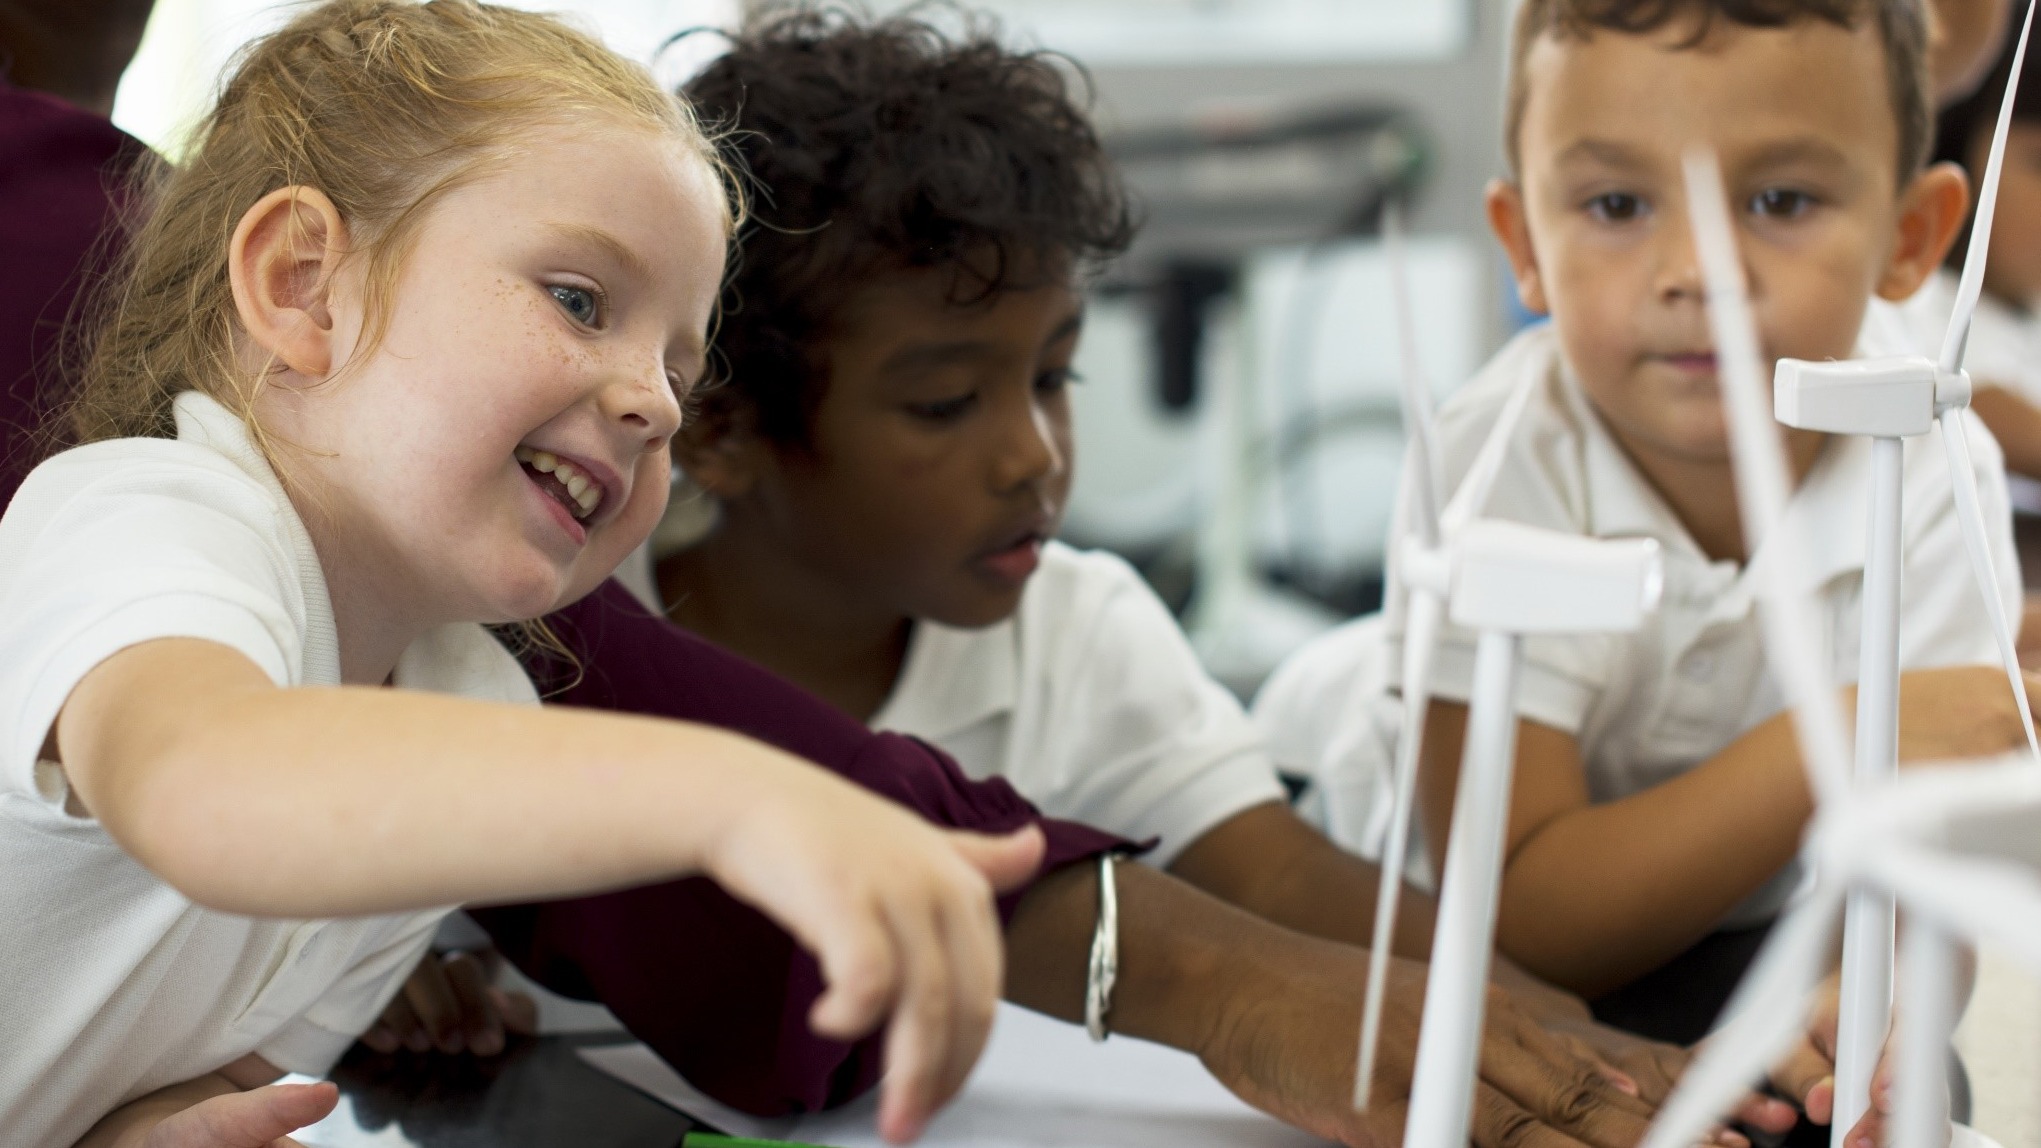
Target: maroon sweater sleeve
{"type": "Point", "coordinates": [712, 986]}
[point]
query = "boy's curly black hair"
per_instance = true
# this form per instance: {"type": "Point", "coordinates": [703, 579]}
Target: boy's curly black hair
{"type": "Point", "coordinates": [883, 145]}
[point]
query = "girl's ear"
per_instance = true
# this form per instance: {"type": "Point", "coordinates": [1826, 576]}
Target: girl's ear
{"type": "Point", "coordinates": [1931, 211]}
{"type": "Point", "coordinates": [1507, 218]}
{"type": "Point", "coordinates": [281, 263]}
{"type": "Point", "coordinates": [721, 452]}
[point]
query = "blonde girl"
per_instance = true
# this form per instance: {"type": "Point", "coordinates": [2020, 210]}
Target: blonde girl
{"type": "Point", "coordinates": [396, 355]}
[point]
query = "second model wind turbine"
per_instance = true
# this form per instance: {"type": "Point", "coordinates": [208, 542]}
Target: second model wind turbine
{"type": "Point", "coordinates": [1502, 580]}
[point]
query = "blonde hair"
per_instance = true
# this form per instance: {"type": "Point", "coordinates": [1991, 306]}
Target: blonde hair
{"type": "Point", "coordinates": [382, 105]}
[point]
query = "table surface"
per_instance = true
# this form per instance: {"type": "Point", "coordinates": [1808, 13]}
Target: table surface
{"type": "Point", "coordinates": [538, 1094]}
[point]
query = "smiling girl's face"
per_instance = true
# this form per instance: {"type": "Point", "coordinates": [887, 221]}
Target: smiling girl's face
{"type": "Point", "coordinates": [504, 445]}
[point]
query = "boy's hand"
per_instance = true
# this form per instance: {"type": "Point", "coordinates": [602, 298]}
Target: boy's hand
{"type": "Point", "coordinates": [1291, 1053]}
{"type": "Point", "coordinates": [899, 914]}
{"type": "Point", "coordinates": [262, 1118]}
{"type": "Point", "coordinates": [449, 1004]}
{"type": "Point", "coordinates": [1958, 712]}
{"type": "Point", "coordinates": [1807, 1074]}
{"type": "Point", "coordinates": [1653, 1068]}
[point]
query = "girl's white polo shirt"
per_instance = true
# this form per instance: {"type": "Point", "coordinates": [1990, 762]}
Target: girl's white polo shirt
{"type": "Point", "coordinates": [1645, 707]}
{"type": "Point", "coordinates": [111, 983]}
{"type": "Point", "coordinates": [1091, 703]}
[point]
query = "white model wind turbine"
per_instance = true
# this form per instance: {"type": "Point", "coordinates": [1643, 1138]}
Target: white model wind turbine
{"type": "Point", "coordinates": [1891, 400]}
{"type": "Point", "coordinates": [1503, 580]}
{"type": "Point", "coordinates": [1428, 525]}
{"type": "Point", "coordinates": [1958, 846]}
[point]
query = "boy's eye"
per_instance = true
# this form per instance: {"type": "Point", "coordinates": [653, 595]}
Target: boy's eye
{"type": "Point", "coordinates": [580, 303]}
{"type": "Point", "coordinates": [1781, 203]}
{"type": "Point", "coordinates": [944, 410]}
{"type": "Point", "coordinates": [1616, 207]}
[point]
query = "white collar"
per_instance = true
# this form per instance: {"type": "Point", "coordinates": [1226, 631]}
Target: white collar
{"type": "Point", "coordinates": [204, 421]}
{"type": "Point", "coordinates": [953, 679]}
{"type": "Point", "coordinates": [1825, 517]}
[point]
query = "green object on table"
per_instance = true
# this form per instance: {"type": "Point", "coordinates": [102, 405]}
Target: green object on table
{"type": "Point", "coordinates": [713, 1140]}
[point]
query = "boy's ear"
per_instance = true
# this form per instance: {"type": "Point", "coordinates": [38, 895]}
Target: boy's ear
{"type": "Point", "coordinates": [722, 453]}
{"type": "Point", "coordinates": [280, 264]}
{"type": "Point", "coordinates": [1931, 211]}
{"type": "Point", "coordinates": [1507, 218]}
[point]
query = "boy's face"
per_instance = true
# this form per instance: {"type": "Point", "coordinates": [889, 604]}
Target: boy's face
{"type": "Point", "coordinates": [939, 454]}
{"type": "Point", "coordinates": [1597, 229]}
{"type": "Point", "coordinates": [2014, 270]}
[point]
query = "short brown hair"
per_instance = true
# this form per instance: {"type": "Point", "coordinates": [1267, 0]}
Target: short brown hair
{"type": "Point", "coordinates": [1902, 28]}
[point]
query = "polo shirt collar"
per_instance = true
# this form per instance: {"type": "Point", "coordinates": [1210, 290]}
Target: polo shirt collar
{"type": "Point", "coordinates": [954, 679]}
{"type": "Point", "coordinates": [205, 420]}
{"type": "Point", "coordinates": [1825, 518]}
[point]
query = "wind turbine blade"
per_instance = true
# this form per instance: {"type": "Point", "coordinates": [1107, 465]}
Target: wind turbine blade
{"type": "Point", "coordinates": [1417, 399]}
{"type": "Point", "coordinates": [1762, 488]}
{"type": "Point", "coordinates": [1982, 900]}
{"type": "Point", "coordinates": [1767, 1012]}
{"type": "Point", "coordinates": [1971, 285]}
{"type": "Point", "coordinates": [1471, 499]}
{"type": "Point", "coordinates": [1419, 638]}
{"type": "Point", "coordinates": [1970, 517]}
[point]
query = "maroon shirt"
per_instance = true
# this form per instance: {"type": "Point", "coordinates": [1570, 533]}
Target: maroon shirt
{"type": "Point", "coordinates": [60, 171]}
{"type": "Point", "coordinates": [719, 992]}
{"type": "Point", "coordinates": [714, 987]}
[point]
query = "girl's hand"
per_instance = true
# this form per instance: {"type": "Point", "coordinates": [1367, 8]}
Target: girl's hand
{"type": "Point", "coordinates": [448, 1004]}
{"type": "Point", "coordinates": [899, 914]}
{"type": "Point", "coordinates": [261, 1118]}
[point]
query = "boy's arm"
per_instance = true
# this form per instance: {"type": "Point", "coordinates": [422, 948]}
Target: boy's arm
{"type": "Point", "coordinates": [1271, 1014]}
{"type": "Point", "coordinates": [1595, 895]}
{"type": "Point", "coordinates": [2014, 422]}
{"type": "Point", "coordinates": [1268, 861]}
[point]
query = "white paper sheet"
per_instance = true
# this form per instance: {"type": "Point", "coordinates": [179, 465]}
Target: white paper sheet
{"type": "Point", "coordinates": [1041, 1083]}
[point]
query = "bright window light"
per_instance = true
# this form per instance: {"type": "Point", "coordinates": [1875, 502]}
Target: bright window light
{"type": "Point", "coordinates": [176, 74]}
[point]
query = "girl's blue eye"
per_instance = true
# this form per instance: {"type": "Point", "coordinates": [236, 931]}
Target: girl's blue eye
{"type": "Point", "coordinates": [1616, 207]}
{"type": "Point", "coordinates": [1781, 203]}
{"type": "Point", "coordinates": [579, 302]}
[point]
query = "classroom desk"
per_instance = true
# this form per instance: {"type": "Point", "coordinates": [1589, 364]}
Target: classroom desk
{"type": "Point", "coordinates": [538, 1094]}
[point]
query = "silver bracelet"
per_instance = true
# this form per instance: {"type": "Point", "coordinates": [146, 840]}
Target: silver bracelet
{"type": "Point", "coordinates": [1105, 951]}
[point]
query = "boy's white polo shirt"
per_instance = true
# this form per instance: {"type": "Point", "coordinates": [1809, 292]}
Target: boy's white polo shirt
{"type": "Point", "coordinates": [1091, 703]}
{"type": "Point", "coordinates": [1644, 707]}
{"type": "Point", "coordinates": [116, 985]}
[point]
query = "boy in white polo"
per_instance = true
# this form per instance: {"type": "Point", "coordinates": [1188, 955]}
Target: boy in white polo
{"type": "Point", "coordinates": [1658, 796]}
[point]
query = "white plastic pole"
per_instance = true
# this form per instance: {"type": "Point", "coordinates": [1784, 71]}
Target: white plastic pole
{"type": "Point", "coordinates": [1920, 1108]}
{"type": "Point", "coordinates": [1866, 1005]}
{"type": "Point", "coordinates": [1449, 1041]}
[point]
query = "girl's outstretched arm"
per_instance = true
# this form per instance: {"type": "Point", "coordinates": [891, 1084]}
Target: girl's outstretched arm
{"type": "Point", "coordinates": [334, 801]}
